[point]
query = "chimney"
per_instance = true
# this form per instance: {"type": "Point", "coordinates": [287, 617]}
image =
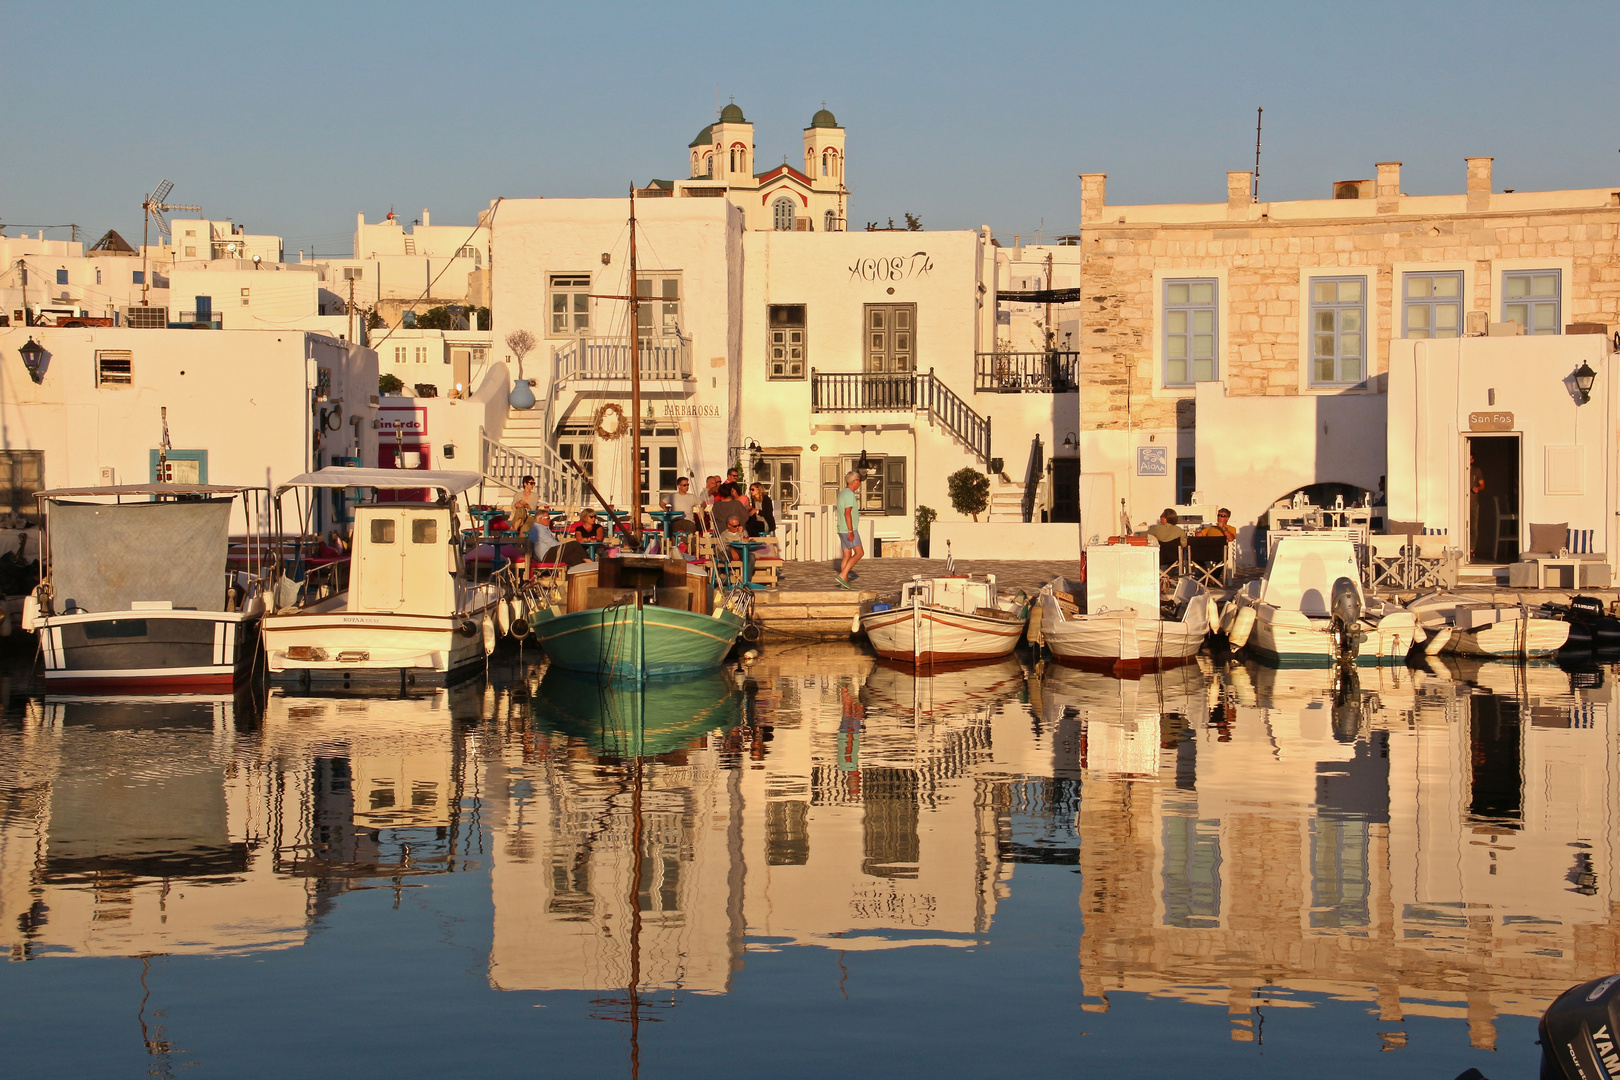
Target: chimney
{"type": "Point", "coordinates": [1479, 183]}
{"type": "Point", "coordinates": [425, 220]}
{"type": "Point", "coordinates": [1239, 192]}
{"type": "Point", "coordinates": [1093, 195]}
{"type": "Point", "coordinates": [1389, 186]}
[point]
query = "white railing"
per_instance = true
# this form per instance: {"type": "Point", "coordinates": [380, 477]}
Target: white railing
{"type": "Point", "coordinates": [557, 482]}
{"type": "Point", "coordinates": [609, 358]}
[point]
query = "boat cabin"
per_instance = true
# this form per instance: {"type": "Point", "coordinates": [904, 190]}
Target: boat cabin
{"type": "Point", "coordinates": [1303, 574]}
{"type": "Point", "coordinates": [641, 580]}
{"type": "Point", "coordinates": [405, 559]}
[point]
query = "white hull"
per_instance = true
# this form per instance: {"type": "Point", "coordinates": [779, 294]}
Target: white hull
{"type": "Point", "coordinates": [157, 649]}
{"type": "Point", "coordinates": [1292, 637]}
{"type": "Point", "coordinates": [1516, 638]}
{"type": "Point", "coordinates": [1122, 638]}
{"type": "Point", "coordinates": [940, 635]}
{"type": "Point", "coordinates": [329, 642]}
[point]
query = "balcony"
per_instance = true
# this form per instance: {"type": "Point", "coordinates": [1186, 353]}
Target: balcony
{"type": "Point", "coordinates": [911, 391]}
{"type": "Point", "coordinates": [198, 320]}
{"type": "Point", "coordinates": [608, 360]}
{"type": "Point", "coordinates": [1049, 372]}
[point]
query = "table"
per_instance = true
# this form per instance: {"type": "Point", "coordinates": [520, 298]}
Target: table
{"type": "Point", "coordinates": [594, 548]}
{"type": "Point", "coordinates": [666, 520]}
{"type": "Point", "coordinates": [1542, 566]}
{"type": "Point", "coordinates": [745, 550]}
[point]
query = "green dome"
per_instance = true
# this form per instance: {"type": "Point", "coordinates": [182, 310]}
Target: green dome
{"type": "Point", "coordinates": [823, 118]}
{"type": "Point", "coordinates": [732, 114]}
{"type": "Point", "coordinates": [704, 137]}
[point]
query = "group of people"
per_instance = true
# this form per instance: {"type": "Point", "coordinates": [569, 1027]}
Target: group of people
{"type": "Point", "coordinates": [724, 510]}
{"type": "Point", "coordinates": [1168, 532]}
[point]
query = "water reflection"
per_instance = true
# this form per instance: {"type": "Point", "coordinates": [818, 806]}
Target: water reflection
{"type": "Point", "coordinates": [1431, 843]}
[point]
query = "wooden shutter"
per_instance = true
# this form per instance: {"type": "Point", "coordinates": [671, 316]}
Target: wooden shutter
{"type": "Point", "coordinates": [830, 481]}
{"type": "Point", "coordinates": [894, 485]}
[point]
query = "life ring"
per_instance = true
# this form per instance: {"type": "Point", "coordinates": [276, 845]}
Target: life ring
{"type": "Point", "coordinates": [617, 431]}
{"type": "Point", "coordinates": [332, 420]}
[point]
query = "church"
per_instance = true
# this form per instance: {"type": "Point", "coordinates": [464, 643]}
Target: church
{"type": "Point", "coordinates": [782, 198]}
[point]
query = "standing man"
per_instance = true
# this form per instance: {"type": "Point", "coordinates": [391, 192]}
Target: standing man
{"type": "Point", "coordinates": [849, 528]}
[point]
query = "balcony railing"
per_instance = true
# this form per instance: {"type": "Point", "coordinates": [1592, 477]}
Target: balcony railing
{"type": "Point", "coordinates": [198, 320]}
{"type": "Point", "coordinates": [1026, 373]}
{"type": "Point", "coordinates": [857, 391]}
{"type": "Point", "coordinates": [609, 358]}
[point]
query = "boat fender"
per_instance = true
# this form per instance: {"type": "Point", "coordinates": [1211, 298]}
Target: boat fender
{"type": "Point", "coordinates": [503, 617]}
{"type": "Point", "coordinates": [750, 632]}
{"type": "Point", "coordinates": [855, 623]}
{"type": "Point", "coordinates": [1242, 627]}
{"type": "Point", "coordinates": [1438, 642]}
{"type": "Point", "coordinates": [5, 623]}
{"type": "Point", "coordinates": [468, 628]}
{"type": "Point", "coordinates": [30, 611]}
{"type": "Point", "coordinates": [1212, 611]}
{"type": "Point", "coordinates": [1228, 614]}
{"type": "Point", "coordinates": [520, 628]}
{"type": "Point", "coordinates": [489, 634]}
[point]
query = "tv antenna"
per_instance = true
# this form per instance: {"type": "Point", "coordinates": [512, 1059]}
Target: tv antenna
{"type": "Point", "coordinates": [155, 207]}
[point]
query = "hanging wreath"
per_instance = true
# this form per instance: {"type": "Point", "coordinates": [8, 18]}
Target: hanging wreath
{"type": "Point", "coordinates": [603, 431]}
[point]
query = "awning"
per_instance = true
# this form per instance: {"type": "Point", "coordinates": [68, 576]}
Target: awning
{"type": "Point", "coordinates": [1040, 296]}
{"type": "Point", "coordinates": [342, 476]}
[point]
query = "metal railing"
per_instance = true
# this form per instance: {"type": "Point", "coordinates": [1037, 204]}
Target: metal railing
{"type": "Point", "coordinates": [1032, 478]}
{"type": "Point", "coordinates": [198, 320]}
{"type": "Point", "coordinates": [1049, 372]}
{"type": "Point", "coordinates": [609, 358]}
{"type": "Point", "coordinates": [902, 392]}
{"type": "Point", "coordinates": [557, 484]}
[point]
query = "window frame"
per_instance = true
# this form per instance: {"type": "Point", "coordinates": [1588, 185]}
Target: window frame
{"type": "Point", "coordinates": [786, 329]}
{"type": "Point", "coordinates": [1432, 303]}
{"type": "Point", "coordinates": [778, 217]}
{"type": "Point", "coordinates": [568, 284]}
{"type": "Point", "coordinates": [1167, 308]}
{"type": "Point", "coordinates": [1531, 302]}
{"type": "Point", "coordinates": [660, 333]}
{"type": "Point", "coordinates": [22, 473]}
{"type": "Point", "coordinates": [889, 350]}
{"type": "Point", "coordinates": [117, 380]}
{"type": "Point", "coordinates": [1339, 307]}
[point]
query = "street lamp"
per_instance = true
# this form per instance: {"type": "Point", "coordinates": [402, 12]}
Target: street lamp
{"type": "Point", "coordinates": [1068, 441]}
{"type": "Point", "coordinates": [33, 357]}
{"type": "Point", "coordinates": [1584, 378]}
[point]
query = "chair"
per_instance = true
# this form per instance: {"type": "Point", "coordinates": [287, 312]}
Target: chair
{"type": "Point", "coordinates": [1507, 534]}
{"type": "Point", "coordinates": [1171, 565]}
{"type": "Point", "coordinates": [1430, 560]}
{"type": "Point", "coordinates": [1206, 559]}
{"type": "Point", "coordinates": [1389, 562]}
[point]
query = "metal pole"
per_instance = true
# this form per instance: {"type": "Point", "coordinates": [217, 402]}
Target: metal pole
{"type": "Point", "coordinates": [1259, 114]}
{"type": "Point", "coordinates": [635, 380]}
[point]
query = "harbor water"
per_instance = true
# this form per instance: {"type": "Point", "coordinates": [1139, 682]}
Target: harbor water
{"type": "Point", "coordinates": [815, 865]}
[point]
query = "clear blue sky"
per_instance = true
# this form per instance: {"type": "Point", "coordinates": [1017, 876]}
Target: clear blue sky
{"type": "Point", "coordinates": [290, 117]}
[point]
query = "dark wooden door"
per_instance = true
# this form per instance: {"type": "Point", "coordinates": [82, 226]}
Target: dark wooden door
{"type": "Point", "coordinates": [1065, 489]}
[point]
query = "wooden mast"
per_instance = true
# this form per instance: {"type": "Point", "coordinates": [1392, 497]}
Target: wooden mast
{"type": "Point", "coordinates": [635, 382]}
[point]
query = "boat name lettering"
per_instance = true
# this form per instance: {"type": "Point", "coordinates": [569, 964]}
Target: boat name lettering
{"type": "Point", "coordinates": [895, 268]}
{"type": "Point", "coordinates": [362, 621]}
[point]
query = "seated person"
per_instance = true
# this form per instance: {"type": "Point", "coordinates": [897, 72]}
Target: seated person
{"type": "Point", "coordinates": [1167, 532]}
{"type": "Point", "coordinates": [567, 548]}
{"type": "Point", "coordinates": [727, 506]}
{"type": "Point", "coordinates": [587, 527]}
{"type": "Point", "coordinates": [683, 501]}
{"type": "Point", "coordinates": [520, 515]}
{"type": "Point", "coordinates": [1222, 526]}
{"type": "Point", "coordinates": [762, 522]}
{"type": "Point", "coordinates": [734, 531]}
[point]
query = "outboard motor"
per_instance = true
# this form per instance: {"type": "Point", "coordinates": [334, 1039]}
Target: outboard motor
{"type": "Point", "coordinates": [1346, 610]}
{"type": "Point", "coordinates": [1579, 1033]}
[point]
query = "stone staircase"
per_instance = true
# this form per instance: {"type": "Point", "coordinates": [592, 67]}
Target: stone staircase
{"type": "Point", "coordinates": [526, 432]}
{"type": "Point", "coordinates": [1006, 501]}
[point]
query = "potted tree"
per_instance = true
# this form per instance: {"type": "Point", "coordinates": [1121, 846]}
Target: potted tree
{"type": "Point", "coordinates": [924, 521]}
{"type": "Point", "coordinates": [970, 492]}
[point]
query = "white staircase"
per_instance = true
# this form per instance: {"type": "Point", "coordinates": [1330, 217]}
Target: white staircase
{"type": "Point", "coordinates": [1006, 502]}
{"type": "Point", "coordinates": [526, 432]}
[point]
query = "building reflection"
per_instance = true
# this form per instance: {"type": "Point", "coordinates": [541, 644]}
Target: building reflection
{"type": "Point", "coordinates": [1408, 839]}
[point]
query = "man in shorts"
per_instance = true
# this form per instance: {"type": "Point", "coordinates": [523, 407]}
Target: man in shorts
{"type": "Point", "coordinates": [849, 527]}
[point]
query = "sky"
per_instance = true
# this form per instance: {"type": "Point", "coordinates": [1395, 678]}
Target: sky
{"type": "Point", "coordinates": [288, 118]}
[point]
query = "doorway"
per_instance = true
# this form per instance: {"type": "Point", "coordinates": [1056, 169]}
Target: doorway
{"type": "Point", "coordinates": [1065, 489]}
{"type": "Point", "coordinates": [1492, 480]}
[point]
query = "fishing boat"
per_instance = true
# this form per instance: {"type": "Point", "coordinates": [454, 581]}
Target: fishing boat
{"type": "Point", "coordinates": [639, 617]}
{"type": "Point", "coordinates": [136, 592]}
{"type": "Point", "coordinates": [1310, 609]}
{"type": "Point", "coordinates": [1464, 626]}
{"type": "Point", "coordinates": [410, 611]}
{"type": "Point", "coordinates": [1125, 628]}
{"type": "Point", "coordinates": [944, 620]}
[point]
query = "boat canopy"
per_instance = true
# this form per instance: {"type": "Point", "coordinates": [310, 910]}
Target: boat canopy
{"type": "Point", "coordinates": [141, 489]}
{"type": "Point", "coordinates": [1122, 577]}
{"type": "Point", "coordinates": [343, 476]}
{"type": "Point", "coordinates": [1304, 570]}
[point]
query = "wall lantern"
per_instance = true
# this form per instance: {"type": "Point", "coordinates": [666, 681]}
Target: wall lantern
{"type": "Point", "coordinates": [33, 357]}
{"type": "Point", "coordinates": [1068, 441]}
{"type": "Point", "coordinates": [1584, 378]}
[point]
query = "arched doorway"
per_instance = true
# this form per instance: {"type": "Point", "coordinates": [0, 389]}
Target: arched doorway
{"type": "Point", "coordinates": [1327, 495]}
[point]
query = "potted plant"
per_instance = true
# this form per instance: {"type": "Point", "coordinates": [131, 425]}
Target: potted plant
{"type": "Point", "coordinates": [924, 521]}
{"type": "Point", "coordinates": [970, 492]}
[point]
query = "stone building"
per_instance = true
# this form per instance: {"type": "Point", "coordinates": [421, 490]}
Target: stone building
{"type": "Point", "coordinates": [1241, 351]}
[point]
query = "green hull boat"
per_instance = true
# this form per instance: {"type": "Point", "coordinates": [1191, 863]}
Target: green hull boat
{"type": "Point", "coordinates": [624, 641]}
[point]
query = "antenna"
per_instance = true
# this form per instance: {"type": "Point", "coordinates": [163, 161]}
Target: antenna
{"type": "Point", "coordinates": [155, 207]}
{"type": "Point", "coordinates": [1259, 113]}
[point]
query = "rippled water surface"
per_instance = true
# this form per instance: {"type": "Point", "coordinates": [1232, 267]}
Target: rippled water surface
{"type": "Point", "coordinates": [822, 866]}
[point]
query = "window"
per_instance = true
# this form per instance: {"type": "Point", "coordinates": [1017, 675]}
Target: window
{"type": "Point", "coordinates": [826, 159]}
{"type": "Point", "coordinates": [578, 443]}
{"type": "Point", "coordinates": [883, 487]}
{"type": "Point", "coordinates": [1530, 298]}
{"type": "Point", "coordinates": [1191, 345]}
{"type": "Point", "coordinates": [22, 472]}
{"type": "Point", "coordinates": [891, 341]}
{"type": "Point", "coordinates": [61, 277]}
{"type": "Point", "coordinates": [782, 214]}
{"type": "Point", "coordinates": [781, 480]}
{"type": "Point", "coordinates": [245, 296]}
{"type": "Point", "coordinates": [659, 321]}
{"type": "Point", "coordinates": [570, 304]}
{"type": "Point", "coordinates": [115, 367]}
{"type": "Point", "coordinates": [660, 447]}
{"type": "Point", "coordinates": [787, 332]}
{"type": "Point", "coordinates": [468, 251]}
{"type": "Point", "coordinates": [829, 222]}
{"type": "Point", "coordinates": [1432, 307]}
{"type": "Point", "coordinates": [424, 531]}
{"type": "Point", "coordinates": [191, 252]}
{"type": "Point", "coordinates": [137, 277]}
{"type": "Point", "coordinates": [399, 354]}
{"type": "Point", "coordinates": [179, 467]}
{"type": "Point", "coordinates": [1338, 331]}
{"type": "Point", "coordinates": [98, 275]}
{"type": "Point", "coordinates": [382, 531]}
{"type": "Point", "coordinates": [1186, 480]}
{"type": "Point", "coordinates": [421, 354]}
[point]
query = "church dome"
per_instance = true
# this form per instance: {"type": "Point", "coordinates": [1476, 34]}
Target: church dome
{"type": "Point", "coordinates": [704, 137]}
{"type": "Point", "coordinates": [823, 118]}
{"type": "Point", "coordinates": [732, 114]}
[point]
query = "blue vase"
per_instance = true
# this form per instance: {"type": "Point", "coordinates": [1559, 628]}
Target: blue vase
{"type": "Point", "coordinates": [521, 397]}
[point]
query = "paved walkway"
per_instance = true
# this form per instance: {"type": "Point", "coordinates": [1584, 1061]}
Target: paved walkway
{"type": "Point", "coordinates": [885, 575]}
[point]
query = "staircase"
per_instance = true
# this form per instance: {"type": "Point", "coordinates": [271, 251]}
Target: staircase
{"type": "Point", "coordinates": [846, 392]}
{"type": "Point", "coordinates": [1006, 501]}
{"type": "Point", "coordinates": [526, 433]}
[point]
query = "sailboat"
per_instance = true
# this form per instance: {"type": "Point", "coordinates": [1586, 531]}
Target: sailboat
{"type": "Point", "coordinates": [640, 616]}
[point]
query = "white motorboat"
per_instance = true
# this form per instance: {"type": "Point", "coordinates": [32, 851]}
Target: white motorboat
{"type": "Point", "coordinates": [410, 613]}
{"type": "Point", "coordinates": [1310, 609]}
{"type": "Point", "coordinates": [944, 620]}
{"type": "Point", "coordinates": [1462, 626]}
{"type": "Point", "coordinates": [136, 593]}
{"type": "Point", "coordinates": [1124, 627]}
